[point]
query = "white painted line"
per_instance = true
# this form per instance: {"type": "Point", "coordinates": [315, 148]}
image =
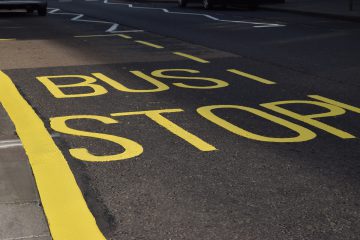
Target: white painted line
{"type": "Point", "coordinates": [17, 143]}
{"type": "Point", "coordinates": [97, 35]}
{"type": "Point", "coordinates": [78, 18]}
{"type": "Point", "coordinates": [113, 28]}
{"type": "Point", "coordinates": [10, 141]}
{"type": "Point", "coordinates": [256, 24]}
{"type": "Point", "coordinates": [10, 145]}
{"type": "Point", "coordinates": [27, 237]}
{"type": "Point", "coordinates": [130, 31]}
{"type": "Point", "coordinates": [108, 35]}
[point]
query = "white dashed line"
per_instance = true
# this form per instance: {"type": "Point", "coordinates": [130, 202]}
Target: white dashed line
{"type": "Point", "coordinates": [256, 24]}
{"type": "Point", "coordinates": [78, 18]}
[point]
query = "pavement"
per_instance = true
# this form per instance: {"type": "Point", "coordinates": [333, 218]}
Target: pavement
{"type": "Point", "coordinates": [144, 121]}
{"type": "Point", "coordinates": [22, 216]}
{"type": "Point", "coordinates": [341, 9]}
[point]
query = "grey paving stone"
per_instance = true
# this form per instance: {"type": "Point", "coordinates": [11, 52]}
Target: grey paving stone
{"type": "Point", "coordinates": [16, 179]}
{"type": "Point", "coordinates": [6, 127]}
{"type": "Point", "coordinates": [21, 221]}
{"type": "Point", "coordinates": [21, 217]}
{"type": "Point", "coordinates": [39, 238]}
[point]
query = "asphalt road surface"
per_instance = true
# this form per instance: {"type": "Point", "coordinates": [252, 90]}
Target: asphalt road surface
{"type": "Point", "coordinates": [192, 124]}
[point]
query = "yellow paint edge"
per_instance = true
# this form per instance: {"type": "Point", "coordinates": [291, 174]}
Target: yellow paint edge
{"type": "Point", "coordinates": [65, 208]}
{"type": "Point", "coordinates": [124, 36]}
{"type": "Point", "coordinates": [250, 76]}
{"type": "Point", "coordinates": [149, 44]}
{"type": "Point", "coordinates": [197, 59]}
{"type": "Point", "coordinates": [7, 39]}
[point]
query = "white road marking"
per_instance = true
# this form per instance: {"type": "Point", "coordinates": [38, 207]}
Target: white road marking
{"type": "Point", "coordinates": [256, 24]}
{"type": "Point", "coordinates": [27, 237]}
{"type": "Point", "coordinates": [10, 143]}
{"type": "Point", "coordinates": [91, 0]}
{"type": "Point", "coordinates": [78, 18]}
{"type": "Point", "coordinates": [108, 35]}
{"type": "Point", "coordinates": [17, 143]}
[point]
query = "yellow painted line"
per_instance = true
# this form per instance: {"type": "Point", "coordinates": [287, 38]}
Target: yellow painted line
{"type": "Point", "coordinates": [67, 213]}
{"type": "Point", "coordinates": [250, 76]}
{"type": "Point", "coordinates": [156, 116]}
{"type": "Point", "coordinates": [197, 59]}
{"type": "Point", "coordinates": [149, 44]}
{"type": "Point", "coordinates": [335, 103]}
{"type": "Point", "coordinates": [124, 36]}
{"type": "Point", "coordinates": [7, 39]}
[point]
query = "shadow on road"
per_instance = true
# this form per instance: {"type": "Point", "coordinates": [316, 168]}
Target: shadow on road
{"type": "Point", "coordinates": [15, 14]}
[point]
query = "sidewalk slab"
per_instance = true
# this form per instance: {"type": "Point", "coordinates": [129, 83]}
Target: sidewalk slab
{"type": "Point", "coordinates": [21, 214]}
{"type": "Point", "coordinates": [16, 180]}
{"type": "Point", "coordinates": [22, 221]}
{"type": "Point", "coordinates": [6, 127]}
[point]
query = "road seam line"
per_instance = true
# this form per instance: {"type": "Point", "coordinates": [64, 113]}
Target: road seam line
{"type": "Point", "coordinates": [252, 77]}
{"type": "Point", "coordinates": [108, 35]}
{"type": "Point", "coordinates": [97, 35]}
{"type": "Point", "coordinates": [197, 59]}
{"type": "Point", "coordinates": [64, 205]}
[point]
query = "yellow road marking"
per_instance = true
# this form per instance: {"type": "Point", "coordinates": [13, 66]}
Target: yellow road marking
{"type": "Point", "coordinates": [250, 76]}
{"type": "Point", "coordinates": [336, 103]}
{"type": "Point", "coordinates": [197, 59]}
{"type": "Point", "coordinates": [156, 116]}
{"type": "Point", "coordinates": [311, 119]}
{"type": "Point", "coordinates": [124, 36]}
{"type": "Point", "coordinates": [64, 205]}
{"type": "Point", "coordinates": [149, 44]}
{"type": "Point", "coordinates": [7, 39]}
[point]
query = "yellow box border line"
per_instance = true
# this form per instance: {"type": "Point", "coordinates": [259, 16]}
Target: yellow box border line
{"type": "Point", "coordinates": [68, 215]}
{"type": "Point", "coordinates": [149, 44]}
{"type": "Point", "coordinates": [250, 76]}
{"type": "Point", "coordinates": [196, 59]}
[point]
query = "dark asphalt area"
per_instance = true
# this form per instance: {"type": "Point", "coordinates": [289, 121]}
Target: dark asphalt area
{"type": "Point", "coordinates": [245, 189]}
